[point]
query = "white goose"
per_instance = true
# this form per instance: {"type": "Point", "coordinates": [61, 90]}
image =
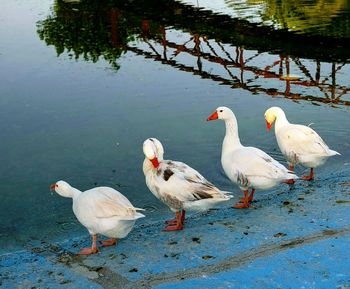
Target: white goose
{"type": "Point", "coordinates": [177, 185]}
{"type": "Point", "coordinates": [101, 210]}
{"type": "Point", "coordinates": [299, 144]}
{"type": "Point", "coordinates": [249, 167]}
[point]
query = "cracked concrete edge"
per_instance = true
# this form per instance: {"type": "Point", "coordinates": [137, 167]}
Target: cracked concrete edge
{"type": "Point", "coordinates": [106, 278]}
{"type": "Point", "coordinates": [237, 260]}
{"type": "Point", "coordinates": [100, 275]}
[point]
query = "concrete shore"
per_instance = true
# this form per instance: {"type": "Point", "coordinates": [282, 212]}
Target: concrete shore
{"type": "Point", "coordinates": [293, 237]}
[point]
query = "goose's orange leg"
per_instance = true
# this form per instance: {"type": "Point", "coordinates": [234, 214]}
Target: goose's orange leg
{"type": "Point", "coordinates": [250, 198]}
{"type": "Point", "coordinates": [183, 217]}
{"type": "Point", "coordinates": [245, 203]}
{"type": "Point", "coordinates": [176, 227]}
{"type": "Point", "coordinates": [174, 221]}
{"type": "Point", "coordinates": [291, 181]}
{"type": "Point", "coordinates": [92, 250]}
{"type": "Point", "coordinates": [309, 177]}
{"type": "Point", "coordinates": [171, 222]}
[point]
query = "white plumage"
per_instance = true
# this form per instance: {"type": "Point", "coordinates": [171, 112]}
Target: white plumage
{"type": "Point", "coordinates": [177, 185]}
{"type": "Point", "coordinates": [102, 210]}
{"type": "Point", "coordinates": [249, 167]}
{"type": "Point", "coordinates": [299, 144]}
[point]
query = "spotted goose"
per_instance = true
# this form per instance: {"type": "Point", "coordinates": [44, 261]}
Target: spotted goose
{"type": "Point", "coordinates": [177, 185]}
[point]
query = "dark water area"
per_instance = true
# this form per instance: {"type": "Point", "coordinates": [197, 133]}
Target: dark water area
{"type": "Point", "coordinates": [83, 84]}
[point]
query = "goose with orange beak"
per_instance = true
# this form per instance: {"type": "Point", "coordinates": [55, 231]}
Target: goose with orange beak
{"type": "Point", "coordinates": [178, 185]}
{"type": "Point", "coordinates": [299, 144]}
{"type": "Point", "coordinates": [248, 167]}
{"type": "Point", "coordinates": [101, 210]}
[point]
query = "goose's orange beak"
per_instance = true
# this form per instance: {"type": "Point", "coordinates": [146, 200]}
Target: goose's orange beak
{"type": "Point", "coordinates": [213, 116]}
{"type": "Point", "coordinates": [268, 126]}
{"type": "Point", "coordinates": [155, 162]}
{"type": "Point", "coordinates": [53, 187]}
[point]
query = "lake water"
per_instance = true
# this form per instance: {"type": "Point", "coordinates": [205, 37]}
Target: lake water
{"type": "Point", "coordinates": [82, 85]}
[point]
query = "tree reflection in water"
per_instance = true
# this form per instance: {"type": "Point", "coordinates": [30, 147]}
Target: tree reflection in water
{"type": "Point", "coordinates": [228, 51]}
{"type": "Point", "coordinates": [323, 17]}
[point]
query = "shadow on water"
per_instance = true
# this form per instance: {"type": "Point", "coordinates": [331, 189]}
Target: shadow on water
{"type": "Point", "coordinates": [230, 51]}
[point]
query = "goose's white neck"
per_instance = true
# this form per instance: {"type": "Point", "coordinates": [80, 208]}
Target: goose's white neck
{"type": "Point", "coordinates": [281, 120]}
{"type": "Point", "coordinates": [71, 192]}
{"type": "Point", "coordinates": [75, 193]}
{"type": "Point", "coordinates": [231, 140]}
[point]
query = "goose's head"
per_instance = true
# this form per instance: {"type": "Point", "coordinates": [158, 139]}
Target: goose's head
{"type": "Point", "coordinates": [270, 116]}
{"type": "Point", "coordinates": [222, 112]}
{"type": "Point", "coordinates": [63, 188]}
{"type": "Point", "coordinates": [153, 150]}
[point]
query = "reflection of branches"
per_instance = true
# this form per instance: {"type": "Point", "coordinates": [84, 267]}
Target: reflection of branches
{"type": "Point", "coordinates": [336, 70]}
{"type": "Point", "coordinates": [224, 50]}
{"type": "Point", "coordinates": [239, 63]}
{"type": "Point", "coordinates": [181, 47]}
{"type": "Point", "coordinates": [234, 83]}
{"type": "Point", "coordinates": [320, 85]}
{"type": "Point", "coordinates": [106, 32]}
{"type": "Point", "coordinates": [307, 73]}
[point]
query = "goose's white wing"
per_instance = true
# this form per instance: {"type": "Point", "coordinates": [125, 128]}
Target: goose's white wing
{"type": "Point", "coordinates": [251, 161]}
{"type": "Point", "coordinates": [107, 202]}
{"type": "Point", "coordinates": [178, 183]}
{"type": "Point", "coordinates": [302, 140]}
{"type": "Point", "coordinates": [251, 167]}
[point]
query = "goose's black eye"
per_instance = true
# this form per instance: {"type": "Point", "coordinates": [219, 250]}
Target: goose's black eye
{"type": "Point", "coordinates": [221, 110]}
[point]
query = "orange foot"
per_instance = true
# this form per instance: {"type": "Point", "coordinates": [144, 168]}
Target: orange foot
{"type": "Point", "coordinates": [290, 182]}
{"type": "Point", "coordinates": [245, 202]}
{"type": "Point", "coordinates": [173, 228]}
{"type": "Point", "coordinates": [307, 178]}
{"type": "Point", "coordinates": [241, 205]}
{"type": "Point", "coordinates": [88, 251]}
{"type": "Point", "coordinates": [171, 222]}
{"type": "Point", "coordinates": [241, 200]}
{"type": "Point", "coordinates": [109, 242]}
{"type": "Point", "coordinates": [310, 177]}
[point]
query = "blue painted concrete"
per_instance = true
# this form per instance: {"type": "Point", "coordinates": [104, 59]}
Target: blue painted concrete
{"type": "Point", "coordinates": [209, 238]}
{"type": "Point", "coordinates": [325, 264]}
{"type": "Point", "coordinates": [25, 270]}
{"type": "Point", "coordinates": [298, 212]}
